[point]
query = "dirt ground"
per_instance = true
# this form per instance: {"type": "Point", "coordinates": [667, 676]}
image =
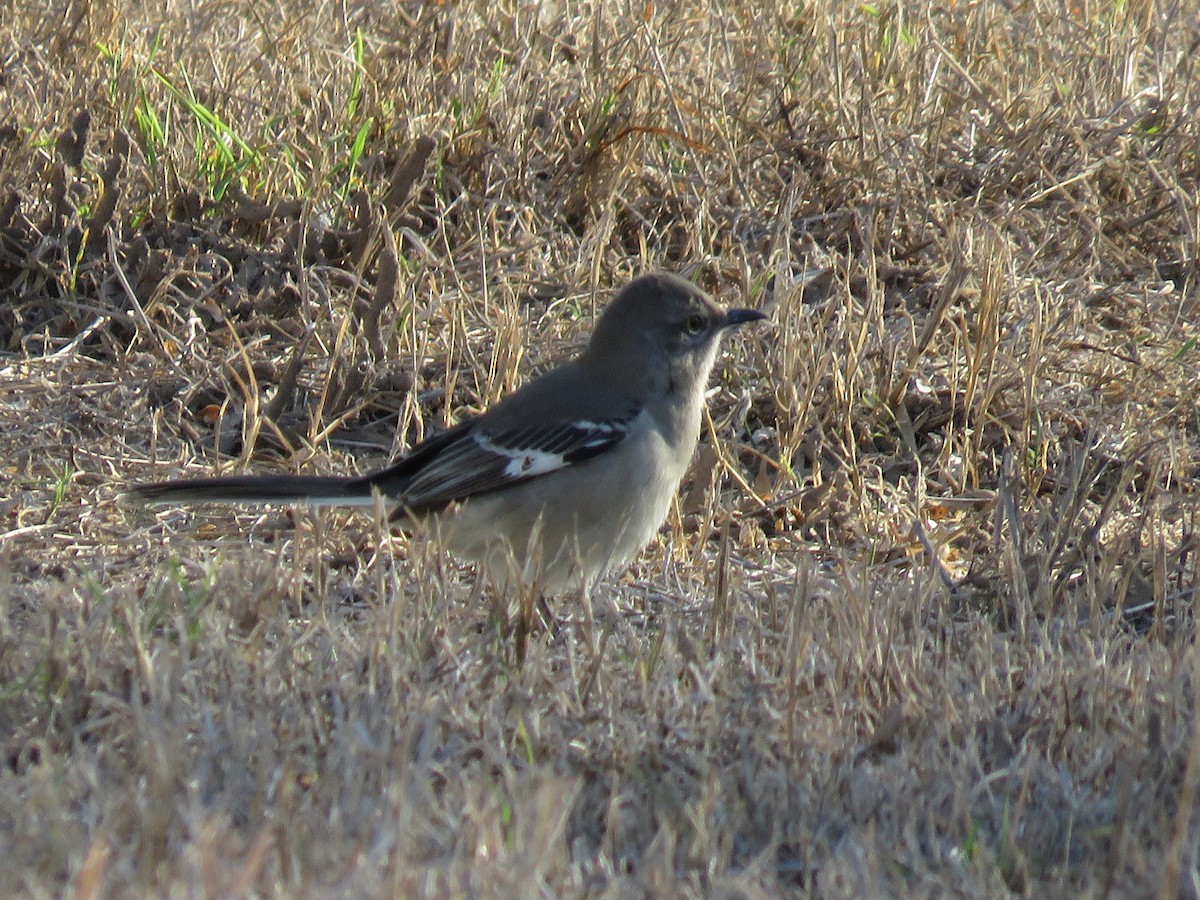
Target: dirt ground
{"type": "Point", "coordinates": [922, 621]}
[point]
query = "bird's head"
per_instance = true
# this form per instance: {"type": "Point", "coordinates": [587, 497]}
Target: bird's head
{"type": "Point", "coordinates": [667, 327]}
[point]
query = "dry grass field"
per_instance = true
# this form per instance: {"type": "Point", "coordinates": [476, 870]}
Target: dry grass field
{"type": "Point", "coordinates": [922, 622]}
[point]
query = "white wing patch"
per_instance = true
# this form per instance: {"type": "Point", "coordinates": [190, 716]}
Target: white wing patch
{"type": "Point", "coordinates": [525, 462]}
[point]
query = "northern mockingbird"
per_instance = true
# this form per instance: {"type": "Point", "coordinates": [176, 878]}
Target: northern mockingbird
{"type": "Point", "coordinates": [565, 479]}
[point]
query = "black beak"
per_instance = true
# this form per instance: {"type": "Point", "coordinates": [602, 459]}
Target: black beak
{"type": "Point", "coordinates": [735, 317]}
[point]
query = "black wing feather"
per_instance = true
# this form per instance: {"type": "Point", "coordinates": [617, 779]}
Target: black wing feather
{"type": "Point", "coordinates": [469, 460]}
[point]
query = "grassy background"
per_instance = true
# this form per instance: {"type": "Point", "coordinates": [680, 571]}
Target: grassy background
{"type": "Point", "coordinates": [922, 620]}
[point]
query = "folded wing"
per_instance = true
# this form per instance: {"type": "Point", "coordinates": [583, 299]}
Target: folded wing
{"type": "Point", "coordinates": [471, 460]}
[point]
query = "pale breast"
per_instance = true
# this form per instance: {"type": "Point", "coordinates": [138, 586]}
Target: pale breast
{"type": "Point", "coordinates": [565, 530]}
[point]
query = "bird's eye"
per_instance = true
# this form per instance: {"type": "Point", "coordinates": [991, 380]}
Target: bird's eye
{"type": "Point", "coordinates": [695, 323]}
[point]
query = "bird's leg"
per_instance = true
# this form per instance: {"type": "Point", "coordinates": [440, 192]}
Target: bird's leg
{"type": "Point", "coordinates": [533, 615]}
{"type": "Point", "coordinates": [525, 622]}
{"type": "Point", "coordinates": [549, 620]}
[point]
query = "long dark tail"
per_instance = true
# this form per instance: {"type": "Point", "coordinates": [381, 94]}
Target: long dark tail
{"type": "Point", "coordinates": [318, 490]}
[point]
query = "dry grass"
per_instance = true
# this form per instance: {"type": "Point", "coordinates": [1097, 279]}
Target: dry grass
{"type": "Point", "coordinates": [921, 625]}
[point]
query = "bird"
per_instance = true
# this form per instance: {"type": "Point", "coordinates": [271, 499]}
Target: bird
{"type": "Point", "coordinates": [561, 482]}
